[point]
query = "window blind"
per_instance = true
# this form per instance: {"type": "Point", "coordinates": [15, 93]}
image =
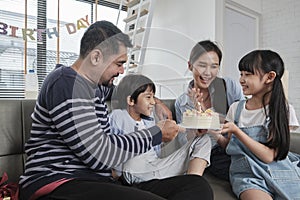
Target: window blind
{"type": "Point", "coordinates": [12, 14]}
{"type": "Point", "coordinates": [47, 41]}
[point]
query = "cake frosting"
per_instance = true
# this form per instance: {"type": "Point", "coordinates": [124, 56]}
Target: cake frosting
{"type": "Point", "coordinates": [201, 120]}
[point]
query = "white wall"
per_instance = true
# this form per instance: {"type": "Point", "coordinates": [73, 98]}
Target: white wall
{"type": "Point", "coordinates": [254, 5]}
{"type": "Point", "coordinates": [240, 35]}
{"type": "Point", "coordinates": [175, 29]}
{"type": "Point", "coordinates": [281, 33]}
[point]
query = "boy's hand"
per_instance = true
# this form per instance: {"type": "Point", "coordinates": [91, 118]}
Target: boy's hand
{"type": "Point", "coordinates": [215, 133]}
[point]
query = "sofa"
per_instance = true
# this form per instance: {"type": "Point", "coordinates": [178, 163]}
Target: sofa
{"type": "Point", "coordinates": [15, 125]}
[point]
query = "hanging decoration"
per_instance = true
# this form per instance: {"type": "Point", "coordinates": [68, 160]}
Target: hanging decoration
{"type": "Point", "coordinates": [36, 34]}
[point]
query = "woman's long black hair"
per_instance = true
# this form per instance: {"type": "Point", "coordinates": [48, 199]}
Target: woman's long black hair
{"type": "Point", "coordinates": [261, 62]}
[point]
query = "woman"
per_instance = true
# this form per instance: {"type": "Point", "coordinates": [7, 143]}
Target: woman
{"type": "Point", "coordinates": [211, 92]}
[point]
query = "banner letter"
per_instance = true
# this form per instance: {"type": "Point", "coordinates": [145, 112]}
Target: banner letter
{"type": "Point", "coordinates": [71, 28]}
{"type": "Point", "coordinates": [27, 32]}
{"type": "Point", "coordinates": [85, 20]}
{"type": "Point", "coordinates": [3, 28]}
{"type": "Point", "coordinates": [39, 34]}
{"type": "Point", "coordinates": [80, 24]}
{"type": "Point", "coordinates": [53, 32]}
{"type": "Point", "coordinates": [13, 31]}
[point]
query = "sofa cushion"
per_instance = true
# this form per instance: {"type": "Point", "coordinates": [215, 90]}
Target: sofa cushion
{"type": "Point", "coordinates": [11, 139]}
{"type": "Point", "coordinates": [13, 166]}
{"type": "Point", "coordinates": [11, 127]}
{"type": "Point", "coordinates": [222, 189]}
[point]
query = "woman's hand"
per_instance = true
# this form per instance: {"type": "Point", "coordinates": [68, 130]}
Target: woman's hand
{"type": "Point", "coordinates": [197, 99]}
{"type": "Point", "coordinates": [161, 110]}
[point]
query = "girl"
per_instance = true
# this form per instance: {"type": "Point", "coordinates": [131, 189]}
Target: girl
{"type": "Point", "coordinates": [134, 100]}
{"type": "Point", "coordinates": [261, 165]}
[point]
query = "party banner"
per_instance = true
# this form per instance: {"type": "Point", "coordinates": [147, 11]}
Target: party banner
{"type": "Point", "coordinates": [36, 34]}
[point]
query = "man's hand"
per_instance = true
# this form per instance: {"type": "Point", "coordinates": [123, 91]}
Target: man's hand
{"type": "Point", "coordinates": [161, 110]}
{"type": "Point", "coordinates": [169, 129]}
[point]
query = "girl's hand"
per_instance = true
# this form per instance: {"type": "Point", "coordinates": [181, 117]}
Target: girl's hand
{"type": "Point", "coordinates": [229, 127]}
{"type": "Point", "coordinates": [263, 152]}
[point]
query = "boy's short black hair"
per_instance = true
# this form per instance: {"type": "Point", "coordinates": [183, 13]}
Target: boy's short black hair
{"type": "Point", "coordinates": [131, 85]}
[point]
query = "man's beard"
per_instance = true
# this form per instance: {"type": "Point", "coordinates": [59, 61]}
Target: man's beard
{"type": "Point", "coordinates": [109, 82]}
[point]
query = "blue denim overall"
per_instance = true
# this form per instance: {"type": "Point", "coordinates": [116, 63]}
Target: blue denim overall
{"type": "Point", "coordinates": [281, 179]}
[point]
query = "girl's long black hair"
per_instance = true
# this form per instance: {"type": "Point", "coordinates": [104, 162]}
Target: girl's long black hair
{"type": "Point", "coordinates": [261, 62]}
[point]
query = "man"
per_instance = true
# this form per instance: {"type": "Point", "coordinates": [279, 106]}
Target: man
{"type": "Point", "coordinates": [70, 151]}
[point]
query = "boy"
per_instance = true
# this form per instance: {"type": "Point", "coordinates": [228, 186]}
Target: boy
{"type": "Point", "coordinates": [133, 105]}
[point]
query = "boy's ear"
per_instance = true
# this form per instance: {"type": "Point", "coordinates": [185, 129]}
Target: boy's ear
{"type": "Point", "coordinates": [96, 56]}
{"type": "Point", "coordinates": [190, 66]}
{"type": "Point", "coordinates": [271, 77]}
{"type": "Point", "coordinates": [130, 101]}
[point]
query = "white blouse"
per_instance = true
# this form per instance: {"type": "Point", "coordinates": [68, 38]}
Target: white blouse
{"type": "Point", "coordinates": [258, 117]}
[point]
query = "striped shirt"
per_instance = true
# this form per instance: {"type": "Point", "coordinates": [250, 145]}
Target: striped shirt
{"type": "Point", "coordinates": [70, 135]}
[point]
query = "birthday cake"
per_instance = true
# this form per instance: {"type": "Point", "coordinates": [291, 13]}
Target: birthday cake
{"type": "Point", "coordinates": [200, 120]}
